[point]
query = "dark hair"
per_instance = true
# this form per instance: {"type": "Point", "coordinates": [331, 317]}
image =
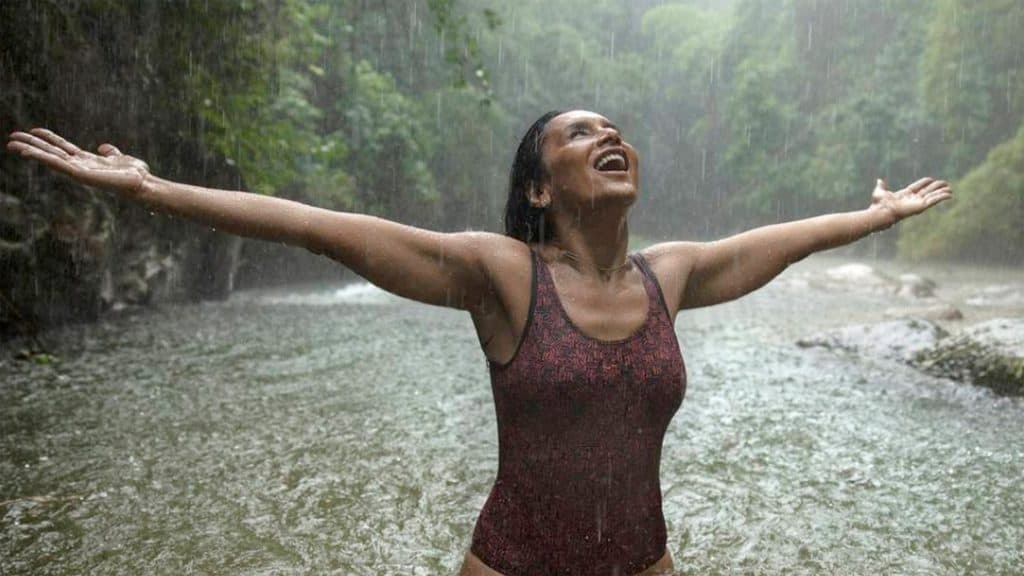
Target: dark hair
{"type": "Point", "coordinates": [522, 220]}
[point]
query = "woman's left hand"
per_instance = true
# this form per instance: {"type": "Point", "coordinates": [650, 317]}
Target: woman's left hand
{"type": "Point", "coordinates": [913, 199]}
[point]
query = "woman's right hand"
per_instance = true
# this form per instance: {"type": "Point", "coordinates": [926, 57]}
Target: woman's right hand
{"type": "Point", "coordinates": [109, 169]}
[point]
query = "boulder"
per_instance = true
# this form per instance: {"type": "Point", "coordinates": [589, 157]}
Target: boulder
{"type": "Point", "coordinates": [914, 286]}
{"type": "Point", "coordinates": [895, 340]}
{"type": "Point", "coordinates": [1003, 335]}
{"type": "Point", "coordinates": [939, 311]}
{"type": "Point", "coordinates": [860, 277]}
{"type": "Point", "coordinates": [998, 295]}
{"type": "Point", "coordinates": [857, 277]}
{"type": "Point", "coordinates": [989, 354]}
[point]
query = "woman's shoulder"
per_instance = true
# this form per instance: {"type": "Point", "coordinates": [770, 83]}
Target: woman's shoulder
{"type": "Point", "coordinates": [500, 253]}
{"type": "Point", "coordinates": [671, 264]}
{"type": "Point", "coordinates": [670, 257]}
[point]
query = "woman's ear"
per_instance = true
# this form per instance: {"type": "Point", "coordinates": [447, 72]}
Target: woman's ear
{"type": "Point", "coordinates": [540, 196]}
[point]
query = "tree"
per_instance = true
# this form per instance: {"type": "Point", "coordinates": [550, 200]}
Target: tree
{"type": "Point", "coordinates": [985, 223]}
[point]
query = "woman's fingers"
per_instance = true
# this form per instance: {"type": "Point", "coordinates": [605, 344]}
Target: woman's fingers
{"type": "Point", "coordinates": [39, 155]}
{"type": "Point", "coordinates": [25, 149]}
{"type": "Point", "coordinates": [108, 150]}
{"type": "Point", "coordinates": [936, 185]}
{"type": "Point", "coordinates": [42, 156]}
{"type": "Point", "coordinates": [36, 142]}
{"type": "Point", "coordinates": [938, 195]}
{"type": "Point", "coordinates": [919, 185]}
{"type": "Point", "coordinates": [56, 140]}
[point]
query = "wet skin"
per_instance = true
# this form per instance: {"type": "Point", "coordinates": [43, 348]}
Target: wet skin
{"type": "Point", "coordinates": [573, 144]}
{"type": "Point", "coordinates": [588, 208]}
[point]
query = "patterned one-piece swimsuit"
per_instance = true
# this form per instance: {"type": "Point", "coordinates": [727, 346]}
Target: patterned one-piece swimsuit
{"type": "Point", "coordinates": [580, 428]}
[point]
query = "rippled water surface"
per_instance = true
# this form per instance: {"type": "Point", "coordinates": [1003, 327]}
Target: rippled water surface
{"type": "Point", "coordinates": [340, 430]}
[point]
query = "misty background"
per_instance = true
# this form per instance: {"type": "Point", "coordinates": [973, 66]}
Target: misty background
{"type": "Point", "coordinates": [745, 113]}
{"type": "Point", "coordinates": [174, 400]}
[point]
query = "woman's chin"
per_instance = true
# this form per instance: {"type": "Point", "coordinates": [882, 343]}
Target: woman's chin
{"type": "Point", "coordinates": [625, 191]}
{"type": "Point", "coordinates": [613, 196]}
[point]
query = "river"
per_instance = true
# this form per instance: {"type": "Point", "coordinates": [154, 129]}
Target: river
{"type": "Point", "coordinates": [342, 430]}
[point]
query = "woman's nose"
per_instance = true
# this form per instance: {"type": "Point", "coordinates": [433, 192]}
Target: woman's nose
{"type": "Point", "coordinates": [610, 136]}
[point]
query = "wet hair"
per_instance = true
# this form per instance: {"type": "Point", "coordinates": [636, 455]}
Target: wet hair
{"type": "Point", "coordinates": [523, 220]}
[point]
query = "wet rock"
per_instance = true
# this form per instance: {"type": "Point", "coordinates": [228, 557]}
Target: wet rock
{"type": "Point", "coordinates": [132, 288]}
{"type": "Point", "coordinates": [120, 306]}
{"type": "Point", "coordinates": [211, 265]}
{"type": "Point", "coordinates": [1004, 335]}
{"type": "Point", "coordinates": [935, 312]}
{"type": "Point", "coordinates": [914, 286]}
{"type": "Point", "coordinates": [857, 277]}
{"type": "Point", "coordinates": [860, 277]}
{"type": "Point", "coordinates": [75, 253]}
{"type": "Point", "coordinates": [998, 295]}
{"type": "Point", "coordinates": [12, 218]}
{"type": "Point", "coordinates": [990, 354]}
{"type": "Point", "coordinates": [896, 340]}
{"type": "Point", "coordinates": [144, 276]}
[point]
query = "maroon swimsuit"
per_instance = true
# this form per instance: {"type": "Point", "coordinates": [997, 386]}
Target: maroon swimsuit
{"type": "Point", "coordinates": [580, 428]}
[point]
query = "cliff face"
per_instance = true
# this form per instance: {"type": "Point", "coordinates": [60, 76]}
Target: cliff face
{"type": "Point", "coordinates": [98, 72]}
{"type": "Point", "coordinates": [70, 253]}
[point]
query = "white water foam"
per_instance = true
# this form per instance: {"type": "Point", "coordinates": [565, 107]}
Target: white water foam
{"type": "Point", "coordinates": [357, 293]}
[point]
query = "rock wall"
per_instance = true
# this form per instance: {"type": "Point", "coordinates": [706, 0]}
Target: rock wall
{"type": "Point", "coordinates": [69, 253]}
{"type": "Point", "coordinates": [128, 74]}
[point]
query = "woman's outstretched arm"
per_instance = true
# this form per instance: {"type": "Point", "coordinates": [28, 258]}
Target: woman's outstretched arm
{"type": "Point", "coordinates": [714, 272]}
{"type": "Point", "coordinates": [431, 267]}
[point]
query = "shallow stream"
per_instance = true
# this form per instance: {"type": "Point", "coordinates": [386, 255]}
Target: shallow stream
{"type": "Point", "coordinates": [341, 430]}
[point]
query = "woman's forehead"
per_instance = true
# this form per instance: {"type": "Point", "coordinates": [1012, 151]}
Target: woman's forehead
{"type": "Point", "coordinates": [574, 116]}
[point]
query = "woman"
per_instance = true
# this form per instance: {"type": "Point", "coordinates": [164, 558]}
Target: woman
{"type": "Point", "coordinates": [584, 365]}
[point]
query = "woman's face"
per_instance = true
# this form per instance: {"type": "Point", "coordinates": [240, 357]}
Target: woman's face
{"type": "Point", "coordinates": [589, 166]}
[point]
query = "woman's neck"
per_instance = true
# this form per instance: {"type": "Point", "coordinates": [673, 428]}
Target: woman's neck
{"type": "Point", "coordinates": [594, 246]}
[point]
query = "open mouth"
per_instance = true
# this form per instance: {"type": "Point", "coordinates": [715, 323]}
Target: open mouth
{"type": "Point", "coordinates": [613, 160]}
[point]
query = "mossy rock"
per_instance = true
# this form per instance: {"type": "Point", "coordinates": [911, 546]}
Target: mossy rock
{"type": "Point", "coordinates": [965, 359]}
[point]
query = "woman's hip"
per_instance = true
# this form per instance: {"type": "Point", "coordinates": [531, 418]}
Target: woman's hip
{"type": "Point", "coordinates": [473, 566]}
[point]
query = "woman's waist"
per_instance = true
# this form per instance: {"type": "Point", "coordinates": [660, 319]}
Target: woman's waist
{"type": "Point", "coordinates": [565, 455]}
{"type": "Point", "coordinates": [574, 507]}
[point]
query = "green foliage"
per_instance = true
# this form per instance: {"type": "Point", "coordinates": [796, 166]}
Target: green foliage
{"type": "Point", "coordinates": [972, 76]}
{"type": "Point", "coordinates": [744, 112]}
{"type": "Point", "coordinates": [819, 103]}
{"type": "Point", "coordinates": [470, 159]}
{"type": "Point", "coordinates": [257, 107]}
{"type": "Point", "coordinates": [464, 53]}
{"type": "Point", "coordinates": [388, 131]}
{"type": "Point", "coordinates": [569, 54]}
{"type": "Point", "coordinates": [985, 222]}
{"type": "Point", "coordinates": [685, 46]}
